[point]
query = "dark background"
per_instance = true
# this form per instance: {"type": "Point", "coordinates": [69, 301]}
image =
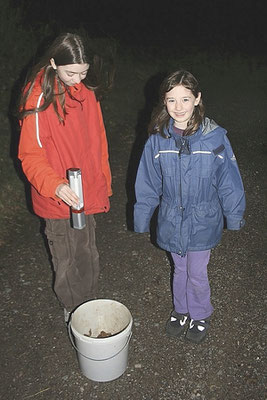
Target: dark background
{"type": "Point", "coordinates": [225, 25]}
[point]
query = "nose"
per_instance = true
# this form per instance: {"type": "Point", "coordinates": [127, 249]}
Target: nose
{"type": "Point", "coordinates": [178, 105]}
{"type": "Point", "coordinates": [77, 78]}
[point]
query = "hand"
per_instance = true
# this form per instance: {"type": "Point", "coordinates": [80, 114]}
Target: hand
{"type": "Point", "coordinates": [65, 193]}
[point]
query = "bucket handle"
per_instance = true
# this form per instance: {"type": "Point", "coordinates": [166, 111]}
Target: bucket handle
{"type": "Point", "coordinates": [93, 359]}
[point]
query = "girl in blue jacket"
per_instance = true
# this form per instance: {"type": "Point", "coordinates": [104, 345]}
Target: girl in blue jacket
{"type": "Point", "coordinates": [188, 170]}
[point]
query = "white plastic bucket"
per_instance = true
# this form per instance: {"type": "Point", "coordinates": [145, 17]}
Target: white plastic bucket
{"type": "Point", "coordinates": [101, 359]}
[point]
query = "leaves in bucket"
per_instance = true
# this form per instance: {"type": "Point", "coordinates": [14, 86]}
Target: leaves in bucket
{"type": "Point", "coordinates": [102, 334]}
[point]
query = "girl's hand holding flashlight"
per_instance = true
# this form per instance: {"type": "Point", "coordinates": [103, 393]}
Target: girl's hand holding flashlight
{"type": "Point", "coordinates": [64, 192]}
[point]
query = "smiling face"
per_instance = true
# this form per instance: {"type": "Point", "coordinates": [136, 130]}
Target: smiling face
{"type": "Point", "coordinates": [180, 103]}
{"type": "Point", "coordinates": [71, 74]}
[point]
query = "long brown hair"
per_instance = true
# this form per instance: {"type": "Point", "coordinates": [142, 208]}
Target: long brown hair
{"type": "Point", "coordinates": [67, 48]}
{"type": "Point", "coordinates": [160, 117]}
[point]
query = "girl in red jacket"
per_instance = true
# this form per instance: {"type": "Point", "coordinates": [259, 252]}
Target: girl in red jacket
{"type": "Point", "coordinates": [62, 128]}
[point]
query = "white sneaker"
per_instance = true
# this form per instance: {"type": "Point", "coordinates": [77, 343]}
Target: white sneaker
{"type": "Point", "coordinates": [176, 324]}
{"type": "Point", "coordinates": [197, 330]}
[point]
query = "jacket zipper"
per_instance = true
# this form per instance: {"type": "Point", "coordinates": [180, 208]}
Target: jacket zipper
{"type": "Point", "coordinates": [181, 252]}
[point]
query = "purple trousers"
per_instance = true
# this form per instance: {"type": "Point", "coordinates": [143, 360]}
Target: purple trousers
{"type": "Point", "coordinates": [191, 289]}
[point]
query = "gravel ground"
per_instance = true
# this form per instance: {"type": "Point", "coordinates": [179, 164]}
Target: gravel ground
{"type": "Point", "coordinates": [37, 359]}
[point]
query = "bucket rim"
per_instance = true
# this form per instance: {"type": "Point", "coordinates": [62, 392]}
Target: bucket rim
{"type": "Point", "coordinates": [98, 300]}
{"type": "Point", "coordinates": [100, 339]}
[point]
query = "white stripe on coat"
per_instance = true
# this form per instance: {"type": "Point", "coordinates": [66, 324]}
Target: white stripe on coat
{"type": "Point", "coordinates": [166, 151]}
{"type": "Point", "coordinates": [201, 152]}
{"type": "Point", "coordinates": [37, 121]}
{"type": "Point", "coordinates": [193, 152]}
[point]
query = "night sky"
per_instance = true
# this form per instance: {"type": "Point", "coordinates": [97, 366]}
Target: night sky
{"type": "Point", "coordinates": [231, 25]}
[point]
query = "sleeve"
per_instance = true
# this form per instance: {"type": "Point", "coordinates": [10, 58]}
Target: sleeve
{"type": "Point", "coordinates": [33, 158]}
{"type": "Point", "coordinates": [105, 155]}
{"type": "Point", "coordinates": [230, 189]}
{"type": "Point", "coordinates": [148, 188]}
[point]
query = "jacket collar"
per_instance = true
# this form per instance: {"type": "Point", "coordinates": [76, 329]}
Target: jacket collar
{"type": "Point", "coordinates": [75, 89]}
{"type": "Point", "coordinates": [205, 128]}
{"type": "Point", "coordinates": [72, 89]}
{"type": "Point", "coordinates": [179, 140]}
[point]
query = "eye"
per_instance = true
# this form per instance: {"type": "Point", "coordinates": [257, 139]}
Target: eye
{"type": "Point", "coordinates": [185, 100]}
{"type": "Point", "coordinates": [70, 74]}
{"type": "Point", "coordinates": [170, 100]}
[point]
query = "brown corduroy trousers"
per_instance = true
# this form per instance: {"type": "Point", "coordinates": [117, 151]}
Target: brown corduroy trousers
{"type": "Point", "coordinates": [75, 260]}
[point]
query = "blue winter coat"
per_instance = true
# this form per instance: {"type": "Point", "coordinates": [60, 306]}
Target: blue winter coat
{"type": "Point", "coordinates": [196, 182]}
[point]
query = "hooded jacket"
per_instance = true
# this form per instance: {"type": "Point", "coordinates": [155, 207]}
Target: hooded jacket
{"type": "Point", "coordinates": [48, 148]}
{"type": "Point", "coordinates": [196, 183]}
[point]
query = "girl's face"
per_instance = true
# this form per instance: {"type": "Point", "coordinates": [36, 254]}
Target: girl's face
{"type": "Point", "coordinates": [71, 74]}
{"type": "Point", "coordinates": [180, 103]}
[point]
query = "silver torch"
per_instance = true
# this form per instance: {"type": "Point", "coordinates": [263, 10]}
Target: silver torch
{"type": "Point", "coordinates": [77, 213]}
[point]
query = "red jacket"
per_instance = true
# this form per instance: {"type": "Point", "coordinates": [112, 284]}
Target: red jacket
{"type": "Point", "coordinates": [48, 148]}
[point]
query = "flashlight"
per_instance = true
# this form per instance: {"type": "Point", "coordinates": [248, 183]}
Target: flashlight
{"type": "Point", "coordinates": [77, 212]}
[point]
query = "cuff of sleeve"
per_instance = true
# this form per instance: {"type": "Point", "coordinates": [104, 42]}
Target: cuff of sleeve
{"type": "Point", "coordinates": [235, 224]}
{"type": "Point", "coordinates": [141, 228]}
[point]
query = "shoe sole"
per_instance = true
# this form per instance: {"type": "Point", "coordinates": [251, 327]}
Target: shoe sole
{"type": "Point", "coordinates": [173, 335]}
{"type": "Point", "coordinates": [192, 340]}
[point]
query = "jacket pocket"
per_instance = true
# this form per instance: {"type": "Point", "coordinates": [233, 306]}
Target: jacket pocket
{"type": "Point", "coordinates": [59, 247]}
{"type": "Point", "coordinates": [207, 225]}
{"type": "Point", "coordinates": [203, 165]}
{"type": "Point", "coordinates": [167, 223]}
{"type": "Point", "coordinates": [168, 164]}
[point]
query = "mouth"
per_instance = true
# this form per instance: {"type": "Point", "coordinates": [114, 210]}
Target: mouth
{"type": "Point", "coordinates": [179, 115]}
